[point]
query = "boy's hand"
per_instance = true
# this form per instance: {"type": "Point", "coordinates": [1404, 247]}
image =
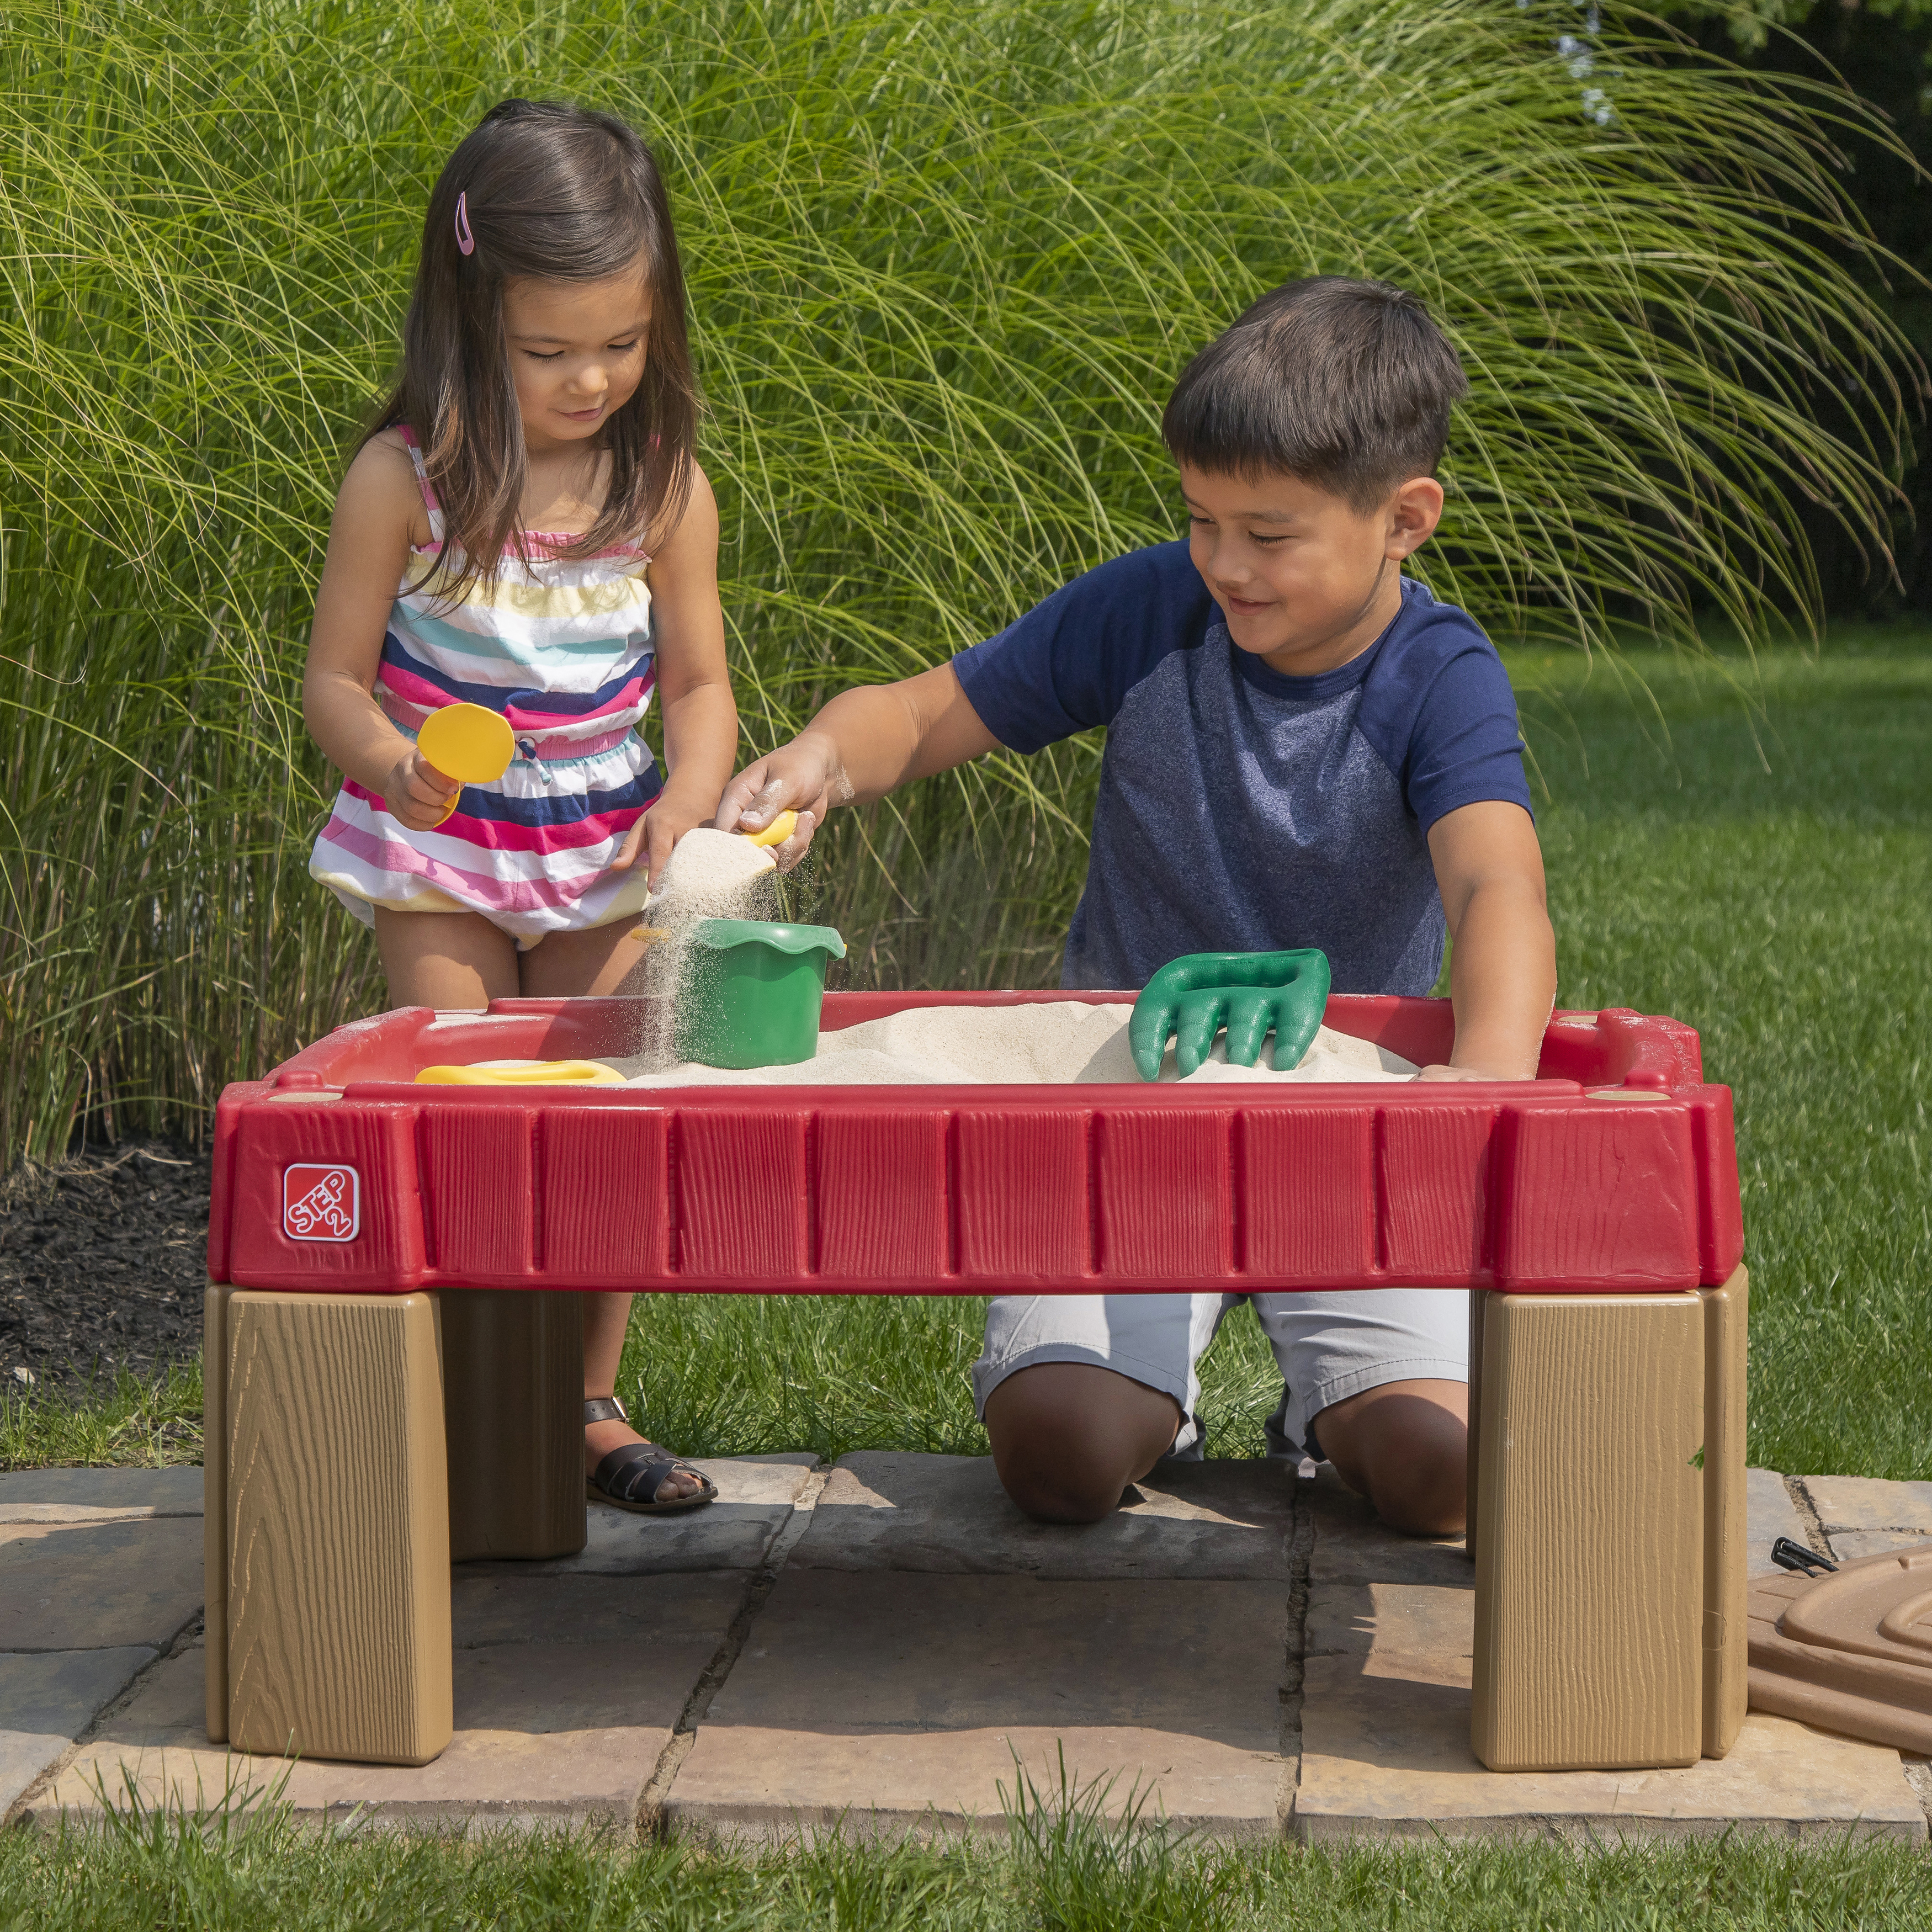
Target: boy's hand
{"type": "Point", "coordinates": [416, 794]}
{"type": "Point", "coordinates": [867, 742]}
{"type": "Point", "coordinates": [807, 776]}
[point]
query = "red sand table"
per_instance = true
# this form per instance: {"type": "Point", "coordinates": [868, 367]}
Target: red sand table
{"type": "Point", "coordinates": [363, 1228]}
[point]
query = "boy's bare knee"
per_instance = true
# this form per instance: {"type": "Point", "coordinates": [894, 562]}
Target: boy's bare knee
{"type": "Point", "coordinates": [1053, 1482]}
{"type": "Point", "coordinates": [1422, 1501]}
{"type": "Point", "coordinates": [1069, 1437]}
{"type": "Point", "coordinates": [1404, 1447]}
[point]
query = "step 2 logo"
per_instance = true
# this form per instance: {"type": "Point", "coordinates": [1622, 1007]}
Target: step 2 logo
{"type": "Point", "coordinates": [321, 1203]}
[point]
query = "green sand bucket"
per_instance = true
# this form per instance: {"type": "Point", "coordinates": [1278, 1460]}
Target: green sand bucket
{"type": "Point", "coordinates": [752, 991]}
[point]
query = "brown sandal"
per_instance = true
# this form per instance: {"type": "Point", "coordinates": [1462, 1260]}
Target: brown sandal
{"type": "Point", "coordinates": [630, 1476]}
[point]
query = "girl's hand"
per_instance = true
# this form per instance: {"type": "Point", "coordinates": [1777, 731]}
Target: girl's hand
{"type": "Point", "coordinates": [415, 793]}
{"type": "Point", "coordinates": [807, 776]}
{"type": "Point", "coordinates": [672, 813]}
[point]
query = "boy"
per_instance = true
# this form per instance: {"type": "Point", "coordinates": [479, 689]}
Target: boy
{"type": "Point", "coordinates": [1304, 748]}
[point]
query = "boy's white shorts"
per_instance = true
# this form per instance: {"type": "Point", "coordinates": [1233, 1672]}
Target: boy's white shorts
{"type": "Point", "coordinates": [1329, 1346]}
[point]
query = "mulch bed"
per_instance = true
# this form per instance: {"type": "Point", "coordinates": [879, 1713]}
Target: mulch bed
{"type": "Point", "coordinates": [103, 1260]}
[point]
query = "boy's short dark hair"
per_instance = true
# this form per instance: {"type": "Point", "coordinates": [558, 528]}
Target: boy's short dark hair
{"type": "Point", "coordinates": [1347, 385]}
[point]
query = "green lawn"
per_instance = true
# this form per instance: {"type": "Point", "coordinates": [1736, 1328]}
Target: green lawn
{"type": "Point", "coordinates": [1061, 1874]}
{"type": "Point", "coordinates": [1758, 861]}
{"type": "Point", "coordinates": [1747, 847]}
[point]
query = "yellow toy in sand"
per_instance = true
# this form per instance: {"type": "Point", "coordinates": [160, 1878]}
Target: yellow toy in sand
{"type": "Point", "coordinates": [469, 742]}
{"type": "Point", "coordinates": [531, 1073]}
{"type": "Point", "coordinates": [777, 833]}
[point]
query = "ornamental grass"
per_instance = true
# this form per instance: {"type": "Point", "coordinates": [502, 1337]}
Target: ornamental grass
{"type": "Point", "coordinates": [945, 263]}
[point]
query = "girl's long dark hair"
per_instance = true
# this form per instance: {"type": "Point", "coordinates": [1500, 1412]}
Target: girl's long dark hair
{"type": "Point", "coordinates": [552, 193]}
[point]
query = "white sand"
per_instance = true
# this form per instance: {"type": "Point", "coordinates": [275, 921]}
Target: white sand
{"type": "Point", "coordinates": [711, 875]}
{"type": "Point", "coordinates": [1064, 1041]}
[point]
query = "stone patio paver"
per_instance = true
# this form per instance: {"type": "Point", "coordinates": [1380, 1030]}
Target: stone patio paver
{"type": "Point", "coordinates": [1847, 1544]}
{"type": "Point", "coordinates": [1769, 1514]}
{"type": "Point", "coordinates": [90, 1495]}
{"type": "Point", "coordinates": [922, 1635]}
{"type": "Point", "coordinates": [883, 1510]}
{"type": "Point", "coordinates": [1866, 1502]}
{"type": "Point", "coordinates": [93, 1586]}
{"type": "Point", "coordinates": [499, 1606]}
{"type": "Point", "coordinates": [1385, 1743]}
{"type": "Point", "coordinates": [1385, 1735]}
{"type": "Point", "coordinates": [558, 1720]}
{"type": "Point", "coordinates": [48, 1698]}
{"type": "Point", "coordinates": [881, 1701]}
{"type": "Point", "coordinates": [1351, 1547]}
{"type": "Point", "coordinates": [755, 1497]}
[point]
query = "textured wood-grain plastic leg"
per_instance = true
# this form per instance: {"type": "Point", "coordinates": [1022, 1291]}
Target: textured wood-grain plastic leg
{"type": "Point", "coordinates": [1727, 1615]}
{"type": "Point", "coordinates": [214, 1504]}
{"type": "Point", "coordinates": [338, 1528]}
{"type": "Point", "coordinates": [1590, 1550]}
{"type": "Point", "coordinates": [1479, 1304]}
{"type": "Point", "coordinates": [513, 1417]}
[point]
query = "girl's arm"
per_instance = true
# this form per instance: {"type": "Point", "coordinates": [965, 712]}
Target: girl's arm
{"type": "Point", "coordinates": [701, 718]}
{"type": "Point", "coordinates": [376, 514]}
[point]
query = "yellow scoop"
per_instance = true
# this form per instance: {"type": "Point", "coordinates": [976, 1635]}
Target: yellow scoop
{"type": "Point", "coordinates": [469, 742]}
{"type": "Point", "coordinates": [540, 1073]}
{"type": "Point", "coordinates": [777, 833]}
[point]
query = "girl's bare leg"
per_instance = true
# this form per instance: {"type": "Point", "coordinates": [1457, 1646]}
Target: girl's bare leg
{"type": "Point", "coordinates": [568, 964]}
{"type": "Point", "coordinates": [448, 959]}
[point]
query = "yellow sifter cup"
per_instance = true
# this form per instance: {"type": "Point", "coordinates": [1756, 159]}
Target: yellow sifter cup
{"type": "Point", "coordinates": [469, 742]}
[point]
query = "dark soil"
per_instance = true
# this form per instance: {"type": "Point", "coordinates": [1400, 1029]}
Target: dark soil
{"type": "Point", "coordinates": [103, 1259]}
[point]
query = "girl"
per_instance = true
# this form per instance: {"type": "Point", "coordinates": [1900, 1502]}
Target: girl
{"type": "Point", "coordinates": [525, 528]}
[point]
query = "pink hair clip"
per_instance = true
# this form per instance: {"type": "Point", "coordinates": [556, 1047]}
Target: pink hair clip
{"type": "Point", "coordinates": [465, 240]}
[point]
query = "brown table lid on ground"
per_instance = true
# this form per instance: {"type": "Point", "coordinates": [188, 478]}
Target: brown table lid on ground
{"type": "Point", "coordinates": [1849, 1651]}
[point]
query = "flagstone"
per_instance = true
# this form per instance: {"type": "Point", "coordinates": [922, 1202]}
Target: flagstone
{"type": "Point", "coordinates": [884, 1509]}
{"type": "Point", "coordinates": [498, 1606]}
{"type": "Point", "coordinates": [1352, 1545]}
{"type": "Point", "coordinates": [98, 1584]}
{"type": "Point", "coordinates": [88, 1496]}
{"type": "Point", "coordinates": [756, 1496]}
{"type": "Point", "coordinates": [1769, 1514]}
{"type": "Point", "coordinates": [1385, 1714]}
{"type": "Point", "coordinates": [925, 1649]}
{"type": "Point", "coordinates": [48, 1698]}
{"type": "Point", "coordinates": [1848, 1544]}
{"type": "Point", "coordinates": [1867, 1502]}
{"type": "Point", "coordinates": [881, 1701]}
{"type": "Point", "coordinates": [548, 1730]}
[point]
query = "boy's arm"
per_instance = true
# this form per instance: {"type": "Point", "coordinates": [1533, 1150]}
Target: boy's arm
{"type": "Point", "coordinates": [867, 742]}
{"type": "Point", "coordinates": [1502, 970]}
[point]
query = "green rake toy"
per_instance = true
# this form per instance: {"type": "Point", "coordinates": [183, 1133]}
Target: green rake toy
{"type": "Point", "coordinates": [1252, 994]}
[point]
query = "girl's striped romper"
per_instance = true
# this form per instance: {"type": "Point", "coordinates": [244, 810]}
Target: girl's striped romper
{"type": "Point", "coordinates": [561, 647]}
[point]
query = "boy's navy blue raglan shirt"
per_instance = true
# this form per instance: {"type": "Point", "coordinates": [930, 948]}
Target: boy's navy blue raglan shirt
{"type": "Point", "coordinates": [1241, 811]}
